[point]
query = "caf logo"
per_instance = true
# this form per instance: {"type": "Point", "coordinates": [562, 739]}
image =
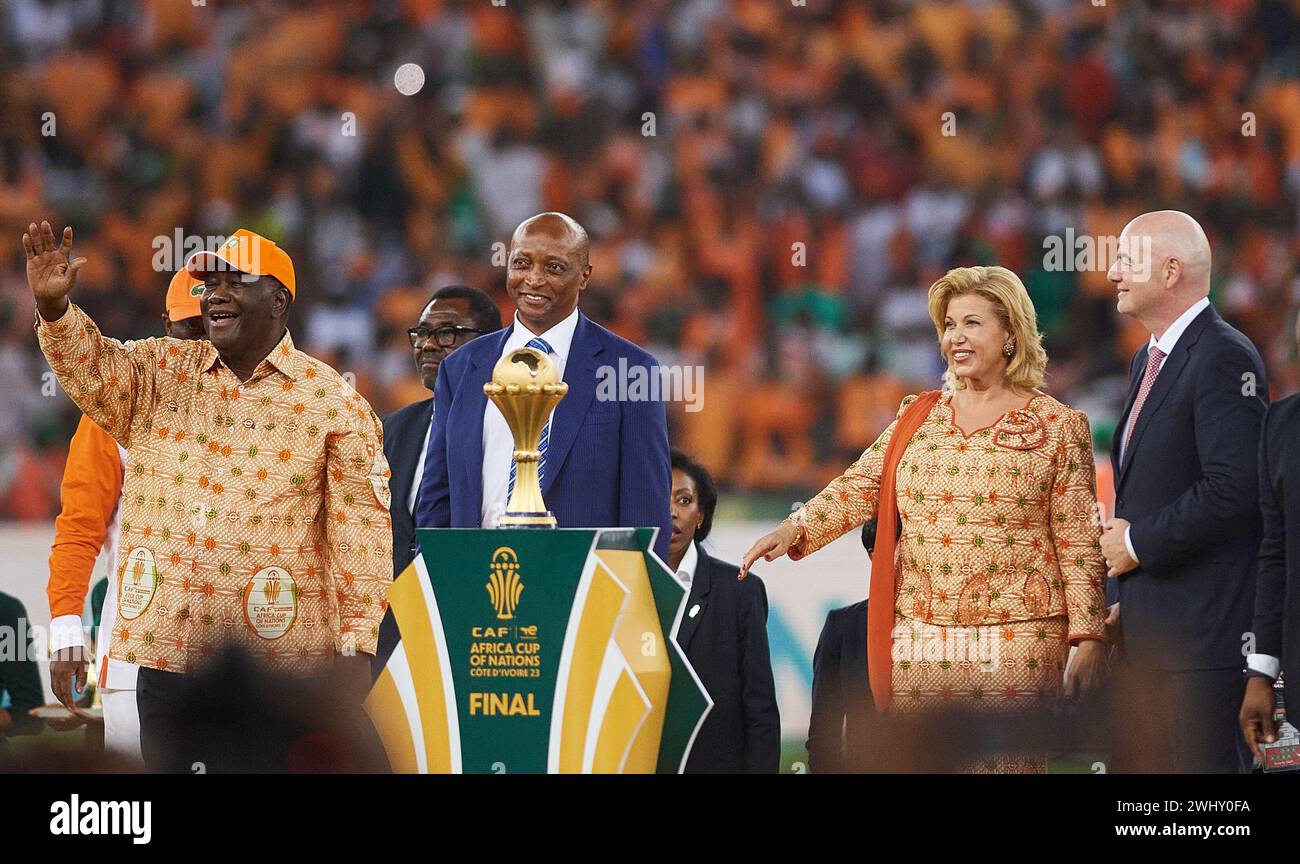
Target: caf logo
{"type": "Point", "coordinates": [271, 602]}
{"type": "Point", "coordinates": [137, 582]}
{"type": "Point", "coordinates": [504, 586]}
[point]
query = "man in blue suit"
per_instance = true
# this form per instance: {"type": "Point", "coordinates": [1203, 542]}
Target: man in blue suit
{"type": "Point", "coordinates": [604, 463]}
{"type": "Point", "coordinates": [1182, 547]}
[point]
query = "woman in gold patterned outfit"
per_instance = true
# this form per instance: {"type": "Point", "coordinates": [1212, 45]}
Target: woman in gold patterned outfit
{"type": "Point", "coordinates": [998, 551]}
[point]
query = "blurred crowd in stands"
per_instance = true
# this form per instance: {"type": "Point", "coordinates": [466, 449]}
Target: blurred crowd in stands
{"type": "Point", "coordinates": [769, 187]}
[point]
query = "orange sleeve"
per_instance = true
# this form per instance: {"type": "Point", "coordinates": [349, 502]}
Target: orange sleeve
{"type": "Point", "coordinates": [92, 485]}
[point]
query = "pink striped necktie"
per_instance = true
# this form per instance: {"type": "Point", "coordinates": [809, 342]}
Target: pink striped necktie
{"type": "Point", "coordinates": [1154, 359]}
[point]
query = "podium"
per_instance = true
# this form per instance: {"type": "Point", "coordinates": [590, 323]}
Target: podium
{"type": "Point", "coordinates": [537, 651]}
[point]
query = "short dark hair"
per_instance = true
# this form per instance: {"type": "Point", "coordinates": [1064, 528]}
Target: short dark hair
{"type": "Point", "coordinates": [482, 308]}
{"type": "Point", "coordinates": [708, 492]}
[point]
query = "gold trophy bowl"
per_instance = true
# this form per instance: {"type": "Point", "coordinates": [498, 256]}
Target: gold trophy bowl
{"type": "Point", "coordinates": [526, 387]}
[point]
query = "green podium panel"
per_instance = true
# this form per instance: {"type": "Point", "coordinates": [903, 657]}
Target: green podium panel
{"type": "Point", "coordinates": [537, 650]}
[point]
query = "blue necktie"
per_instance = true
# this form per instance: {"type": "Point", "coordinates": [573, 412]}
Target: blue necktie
{"type": "Point", "coordinates": [540, 344]}
{"type": "Point", "coordinates": [423, 501]}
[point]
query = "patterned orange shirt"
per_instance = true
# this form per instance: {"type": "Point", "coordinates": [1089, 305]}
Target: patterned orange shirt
{"type": "Point", "coordinates": [254, 513]}
{"type": "Point", "coordinates": [998, 526]}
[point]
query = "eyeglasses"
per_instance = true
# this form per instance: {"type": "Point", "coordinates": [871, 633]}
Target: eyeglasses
{"type": "Point", "coordinates": [446, 335]}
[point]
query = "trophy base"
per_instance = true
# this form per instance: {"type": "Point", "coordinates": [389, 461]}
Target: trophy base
{"type": "Point", "coordinates": [543, 519]}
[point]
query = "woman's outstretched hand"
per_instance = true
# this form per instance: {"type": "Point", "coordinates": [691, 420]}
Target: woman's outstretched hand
{"type": "Point", "coordinates": [769, 547]}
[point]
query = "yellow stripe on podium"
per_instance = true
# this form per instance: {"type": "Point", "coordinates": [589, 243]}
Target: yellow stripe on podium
{"type": "Point", "coordinates": [626, 710]}
{"type": "Point", "coordinates": [600, 611]}
{"type": "Point", "coordinates": [388, 714]}
{"type": "Point", "coordinates": [641, 641]}
{"type": "Point", "coordinates": [416, 628]}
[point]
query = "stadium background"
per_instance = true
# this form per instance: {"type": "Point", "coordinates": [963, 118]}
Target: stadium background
{"type": "Point", "coordinates": [769, 188]}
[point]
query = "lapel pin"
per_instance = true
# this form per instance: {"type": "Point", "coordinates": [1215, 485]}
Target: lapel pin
{"type": "Point", "coordinates": [695, 610]}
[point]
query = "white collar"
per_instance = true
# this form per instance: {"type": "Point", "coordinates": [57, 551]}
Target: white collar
{"type": "Point", "coordinates": [1170, 338]}
{"type": "Point", "coordinates": [686, 569]}
{"type": "Point", "coordinates": [559, 337]}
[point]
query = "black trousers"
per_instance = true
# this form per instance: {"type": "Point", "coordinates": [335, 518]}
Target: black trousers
{"type": "Point", "coordinates": [1179, 722]}
{"type": "Point", "coordinates": [235, 717]}
{"type": "Point", "coordinates": [190, 726]}
{"type": "Point", "coordinates": [156, 695]}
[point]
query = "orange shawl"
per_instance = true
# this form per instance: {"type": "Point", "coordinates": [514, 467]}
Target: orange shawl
{"type": "Point", "coordinates": [880, 607]}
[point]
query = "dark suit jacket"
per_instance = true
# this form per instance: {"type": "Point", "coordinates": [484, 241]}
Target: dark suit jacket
{"type": "Point", "coordinates": [607, 465]}
{"type": "Point", "coordinates": [1277, 597]}
{"type": "Point", "coordinates": [841, 694]}
{"type": "Point", "coordinates": [726, 642]}
{"type": "Point", "coordinates": [403, 437]}
{"type": "Point", "coordinates": [1190, 488]}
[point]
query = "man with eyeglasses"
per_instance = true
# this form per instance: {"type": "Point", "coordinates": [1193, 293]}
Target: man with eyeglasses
{"type": "Point", "coordinates": [455, 315]}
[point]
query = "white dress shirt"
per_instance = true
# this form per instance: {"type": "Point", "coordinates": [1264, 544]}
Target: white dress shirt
{"type": "Point", "coordinates": [686, 569]}
{"type": "Point", "coordinates": [419, 468]}
{"type": "Point", "coordinates": [498, 443]}
{"type": "Point", "coordinates": [1165, 343]}
{"type": "Point", "coordinates": [1266, 663]}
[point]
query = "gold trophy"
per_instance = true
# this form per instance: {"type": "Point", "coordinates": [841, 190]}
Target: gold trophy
{"type": "Point", "coordinates": [526, 387]}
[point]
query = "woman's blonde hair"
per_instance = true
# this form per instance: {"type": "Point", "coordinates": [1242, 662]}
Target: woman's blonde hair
{"type": "Point", "coordinates": [1027, 365]}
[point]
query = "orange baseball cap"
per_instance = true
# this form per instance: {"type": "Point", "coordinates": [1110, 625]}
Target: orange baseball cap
{"type": "Point", "coordinates": [183, 297]}
{"type": "Point", "coordinates": [248, 253]}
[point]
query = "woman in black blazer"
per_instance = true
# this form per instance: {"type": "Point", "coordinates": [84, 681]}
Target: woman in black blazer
{"type": "Point", "coordinates": [724, 634]}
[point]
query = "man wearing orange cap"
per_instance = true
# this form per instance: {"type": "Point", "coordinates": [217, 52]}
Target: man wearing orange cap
{"type": "Point", "coordinates": [87, 526]}
{"type": "Point", "coordinates": [255, 507]}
